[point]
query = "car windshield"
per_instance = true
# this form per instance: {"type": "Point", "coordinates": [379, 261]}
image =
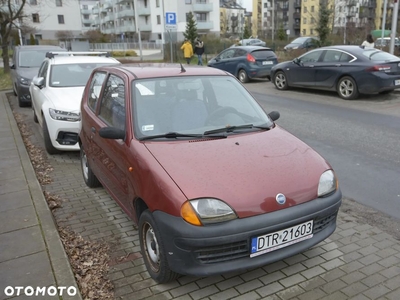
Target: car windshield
{"type": "Point", "coordinates": [377, 55]}
{"type": "Point", "coordinates": [71, 75]}
{"type": "Point", "coordinates": [263, 54]}
{"type": "Point", "coordinates": [31, 58]}
{"type": "Point", "coordinates": [194, 105]}
{"type": "Point", "coordinates": [299, 40]}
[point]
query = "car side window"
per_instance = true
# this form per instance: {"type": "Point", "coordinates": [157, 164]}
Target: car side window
{"type": "Point", "coordinates": [346, 57]}
{"type": "Point", "coordinates": [332, 56]}
{"type": "Point", "coordinates": [43, 70]}
{"type": "Point", "coordinates": [311, 57]}
{"type": "Point", "coordinates": [228, 54]}
{"type": "Point", "coordinates": [95, 88]}
{"type": "Point", "coordinates": [112, 106]}
{"type": "Point", "coordinates": [240, 52]}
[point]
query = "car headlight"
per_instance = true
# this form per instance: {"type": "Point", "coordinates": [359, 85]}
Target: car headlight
{"type": "Point", "coordinates": [296, 47]}
{"type": "Point", "coordinates": [206, 211]}
{"type": "Point", "coordinates": [327, 183]}
{"type": "Point", "coordinates": [61, 115]}
{"type": "Point", "coordinates": [24, 81]}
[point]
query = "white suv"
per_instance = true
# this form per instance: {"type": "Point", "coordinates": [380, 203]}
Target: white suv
{"type": "Point", "coordinates": [56, 94]}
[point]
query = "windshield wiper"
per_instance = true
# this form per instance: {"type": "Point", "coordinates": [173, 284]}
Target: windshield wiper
{"type": "Point", "coordinates": [233, 128]}
{"type": "Point", "coordinates": [173, 135]}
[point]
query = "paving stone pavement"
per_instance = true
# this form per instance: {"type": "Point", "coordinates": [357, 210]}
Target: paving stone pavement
{"type": "Point", "coordinates": [359, 261]}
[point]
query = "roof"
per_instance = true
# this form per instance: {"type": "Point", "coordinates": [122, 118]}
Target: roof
{"type": "Point", "coordinates": [69, 59]}
{"type": "Point", "coordinates": [252, 48]}
{"type": "Point", "coordinates": [155, 70]}
{"type": "Point", "coordinates": [40, 47]}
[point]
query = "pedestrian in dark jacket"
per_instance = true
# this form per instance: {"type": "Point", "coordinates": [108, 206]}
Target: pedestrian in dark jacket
{"type": "Point", "coordinates": [199, 50]}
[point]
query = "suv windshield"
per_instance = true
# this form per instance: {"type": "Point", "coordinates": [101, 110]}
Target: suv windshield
{"type": "Point", "coordinates": [193, 105]}
{"type": "Point", "coordinates": [70, 75]}
{"type": "Point", "coordinates": [31, 58]}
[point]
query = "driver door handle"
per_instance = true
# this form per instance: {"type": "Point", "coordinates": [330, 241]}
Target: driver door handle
{"type": "Point", "coordinates": [311, 66]}
{"type": "Point", "coordinates": [338, 65]}
{"type": "Point", "coordinates": [93, 129]}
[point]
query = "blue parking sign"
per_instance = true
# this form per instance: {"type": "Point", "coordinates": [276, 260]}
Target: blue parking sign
{"type": "Point", "coordinates": [170, 18]}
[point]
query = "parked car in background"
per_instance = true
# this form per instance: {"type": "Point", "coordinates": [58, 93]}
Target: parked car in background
{"type": "Point", "coordinates": [348, 70]}
{"type": "Point", "coordinates": [26, 62]}
{"type": "Point", "coordinates": [252, 42]}
{"type": "Point", "coordinates": [304, 42]}
{"type": "Point", "coordinates": [379, 42]}
{"type": "Point", "coordinates": [245, 62]}
{"type": "Point", "coordinates": [212, 182]}
{"type": "Point", "coordinates": [57, 93]}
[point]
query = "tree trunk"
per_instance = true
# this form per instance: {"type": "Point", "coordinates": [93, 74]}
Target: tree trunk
{"type": "Point", "coordinates": [4, 47]}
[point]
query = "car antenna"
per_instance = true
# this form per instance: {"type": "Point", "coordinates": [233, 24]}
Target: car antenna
{"type": "Point", "coordinates": [182, 68]}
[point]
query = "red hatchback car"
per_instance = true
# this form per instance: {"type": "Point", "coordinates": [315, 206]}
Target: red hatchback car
{"type": "Point", "coordinates": [212, 182]}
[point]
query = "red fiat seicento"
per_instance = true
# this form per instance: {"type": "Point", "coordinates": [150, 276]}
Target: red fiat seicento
{"type": "Point", "coordinates": [213, 183]}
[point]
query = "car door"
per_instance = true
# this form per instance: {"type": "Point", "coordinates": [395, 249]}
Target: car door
{"type": "Point", "coordinates": [37, 93]}
{"type": "Point", "coordinates": [302, 72]}
{"type": "Point", "coordinates": [110, 155]}
{"type": "Point", "coordinates": [333, 63]}
{"type": "Point", "coordinates": [224, 59]}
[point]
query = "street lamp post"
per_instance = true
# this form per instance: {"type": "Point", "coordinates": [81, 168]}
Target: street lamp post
{"type": "Point", "coordinates": [394, 25]}
{"type": "Point", "coordinates": [138, 29]}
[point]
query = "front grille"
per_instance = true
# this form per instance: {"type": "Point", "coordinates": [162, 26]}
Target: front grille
{"type": "Point", "coordinates": [222, 253]}
{"type": "Point", "coordinates": [320, 224]}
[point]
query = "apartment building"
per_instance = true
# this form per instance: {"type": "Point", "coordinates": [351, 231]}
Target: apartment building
{"type": "Point", "coordinates": [119, 17]}
{"type": "Point", "coordinates": [45, 18]}
{"type": "Point", "coordinates": [87, 17]}
{"type": "Point", "coordinates": [232, 18]}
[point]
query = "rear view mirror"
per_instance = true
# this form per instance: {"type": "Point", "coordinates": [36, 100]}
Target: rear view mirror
{"type": "Point", "coordinates": [274, 115]}
{"type": "Point", "coordinates": [296, 60]}
{"type": "Point", "coordinates": [112, 133]}
{"type": "Point", "coordinates": [12, 67]}
{"type": "Point", "coordinates": [38, 81]}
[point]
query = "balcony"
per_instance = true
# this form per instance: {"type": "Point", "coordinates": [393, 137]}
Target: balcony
{"type": "Point", "coordinates": [351, 14]}
{"type": "Point", "coordinates": [367, 13]}
{"type": "Point", "coordinates": [144, 11]}
{"type": "Point", "coordinates": [95, 10]}
{"type": "Point", "coordinates": [126, 28]}
{"type": "Point", "coordinates": [108, 30]}
{"type": "Point", "coordinates": [369, 3]}
{"type": "Point", "coordinates": [123, 1]}
{"type": "Point", "coordinates": [205, 25]}
{"type": "Point", "coordinates": [202, 7]}
{"type": "Point", "coordinates": [87, 21]}
{"type": "Point", "coordinates": [297, 4]}
{"type": "Point", "coordinates": [126, 13]}
{"type": "Point", "coordinates": [352, 2]}
{"type": "Point", "coordinates": [145, 27]}
{"type": "Point", "coordinates": [86, 11]}
{"type": "Point", "coordinates": [296, 15]}
{"type": "Point", "coordinates": [109, 17]}
{"type": "Point", "coordinates": [296, 26]}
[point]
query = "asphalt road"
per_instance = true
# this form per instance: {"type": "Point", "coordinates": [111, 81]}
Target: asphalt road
{"type": "Point", "coordinates": [360, 139]}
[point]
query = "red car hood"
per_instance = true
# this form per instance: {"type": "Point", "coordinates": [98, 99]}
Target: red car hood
{"type": "Point", "coordinates": [246, 171]}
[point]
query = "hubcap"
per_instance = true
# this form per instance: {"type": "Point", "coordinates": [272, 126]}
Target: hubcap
{"type": "Point", "coordinates": [346, 88]}
{"type": "Point", "coordinates": [242, 76]}
{"type": "Point", "coordinates": [85, 167]}
{"type": "Point", "coordinates": [280, 81]}
{"type": "Point", "coordinates": [152, 248]}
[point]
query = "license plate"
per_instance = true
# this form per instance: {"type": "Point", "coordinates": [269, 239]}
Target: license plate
{"type": "Point", "coordinates": [280, 239]}
{"type": "Point", "coordinates": [397, 82]}
{"type": "Point", "coordinates": [267, 62]}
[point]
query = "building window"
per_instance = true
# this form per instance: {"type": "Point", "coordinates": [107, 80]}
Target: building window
{"type": "Point", "coordinates": [202, 17]}
{"type": "Point", "coordinates": [311, 31]}
{"type": "Point", "coordinates": [33, 2]}
{"type": "Point", "coordinates": [305, 21]}
{"type": "Point", "coordinates": [60, 19]}
{"type": "Point", "coordinates": [312, 20]}
{"type": "Point", "coordinates": [35, 18]}
{"type": "Point", "coordinates": [86, 17]}
{"type": "Point", "coordinates": [265, 5]}
{"type": "Point", "coordinates": [38, 36]}
{"type": "Point", "coordinates": [85, 6]}
{"type": "Point", "coordinates": [188, 1]}
{"type": "Point", "coordinates": [304, 32]}
{"type": "Point", "coordinates": [312, 8]}
{"type": "Point", "coordinates": [305, 9]}
{"type": "Point", "coordinates": [158, 19]}
{"type": "Point", "coordinates": [221, 14]}
{"type": "Point", "coordinates": [58, 2]}
{"type": "Point", "coordinates": [157, 3]}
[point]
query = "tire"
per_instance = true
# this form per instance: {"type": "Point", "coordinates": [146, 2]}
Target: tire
{"type": "Point", "coordinates": [15, 92]}
{"type": "Point", "coordinates": [47, 141]}
{"type": "Point", "coordinates": [35, 118]}
{"type": "Point", "coordinates": [280, 81]}
{"type": "Point", "coordinates": [88, 175]}
{"type": "Point", "coordinates": [242, 76]}
{"type": "Point", "coordinates": [347, 88]}
{"type": "Point", "coordinates": [153, 251]}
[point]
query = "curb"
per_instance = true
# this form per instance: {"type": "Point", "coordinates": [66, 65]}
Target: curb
{"type": "Point", "coordinates": [55, 250]}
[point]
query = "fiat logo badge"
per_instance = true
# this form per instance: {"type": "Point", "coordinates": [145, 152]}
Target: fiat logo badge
{"type": "Point", "coordinates": [280, 198]}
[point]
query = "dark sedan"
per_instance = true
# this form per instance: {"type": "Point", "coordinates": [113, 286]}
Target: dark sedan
{"type": "Point", "coordinates": [245, 62]}
{"type": "Point", "coordinates": [348, 70]}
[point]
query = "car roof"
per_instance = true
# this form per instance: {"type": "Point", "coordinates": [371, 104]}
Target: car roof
{"type": "Point", "coordinates": [252, 48]}
{"type": "Point", "coordinates": [156, 70]}
{"type": "Point", "coordinates": [40, 47]}
{"type": "Point", "coordinates": [73, 59]}
{"type": "Point", "coordinates": [349, 48]}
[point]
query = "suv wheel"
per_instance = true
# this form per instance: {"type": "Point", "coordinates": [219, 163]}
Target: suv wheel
{"type": "Point", "coordinates": [88, 175]}
{"type": "Point", "coordinates": [152, 248]}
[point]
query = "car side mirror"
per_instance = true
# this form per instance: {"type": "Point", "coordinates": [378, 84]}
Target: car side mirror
{"type": "Point", "coordinates": [112, 133]}
{"type": "Point", "coordinates": [296, 60]}
{"type": "Point", "coordinates": [38, 81]}
{"type": "Point", "coordinates": [12, 67]}
{"type": "Point", "coordinates": [274, 115]}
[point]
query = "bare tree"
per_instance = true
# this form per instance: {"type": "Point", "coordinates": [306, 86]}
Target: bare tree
{"type": "Point", "coordinates": [9, 16]}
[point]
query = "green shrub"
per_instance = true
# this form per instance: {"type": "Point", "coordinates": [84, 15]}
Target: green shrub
{"type": "Point", "coordinates": [123, 53]}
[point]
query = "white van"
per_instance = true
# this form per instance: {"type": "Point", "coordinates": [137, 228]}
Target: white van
{"type": "Point", "coordinates": [386, 42]}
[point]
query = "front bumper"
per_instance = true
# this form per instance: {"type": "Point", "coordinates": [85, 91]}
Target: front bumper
{"type": "Point", "coordinates": [220, 248]}
{"type": "Point", "coordinates": [64, 135]}
{"type": "Point", "coordinates": [23, 93]}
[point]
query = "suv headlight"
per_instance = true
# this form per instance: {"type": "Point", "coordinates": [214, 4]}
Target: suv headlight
{"type": "Point", "coordinates": [327, 183]}
{"type": "Point", "coordinates": [206, 211]}
{"type": "Point", "coordinates": [24, 81]}
{"type": "Point", "coordinates": [61, 115]}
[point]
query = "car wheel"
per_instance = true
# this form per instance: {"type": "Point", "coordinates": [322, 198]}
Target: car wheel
{"type": "Point", "coordinates": [88, 175]}
{"type": "Point", "coordinates": [15, 92]}
{"type": "Point", "coordinates": [280, 81]}
{"type": "Point", "coordinates": [347, 88]}
{"type": "Point", "coordinates": [35, 118]}
{"type": "Point", "coordinates": [242, 76]}
{"type": "Point", "coordinates": [152, 248]}
{"type": "Point", "coordinates": [47, 141]}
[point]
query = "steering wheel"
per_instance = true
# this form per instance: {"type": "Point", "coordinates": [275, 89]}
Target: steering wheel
{"type": "Point", "coordinates": [213, 118]}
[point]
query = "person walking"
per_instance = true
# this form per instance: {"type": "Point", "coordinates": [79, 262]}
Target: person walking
{"type": "Point", "coordinates": [187, 50]}
{"type": "Point", "coordinates": [369, 42]}
{"type": "Point", "coordinates": [199, 50]}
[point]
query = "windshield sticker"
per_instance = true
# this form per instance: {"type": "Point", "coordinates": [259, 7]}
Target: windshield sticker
{"type": "Point", "coordinates": [115, 95]}
{"type": "Point", "coordinates": [147, 127]}
{"type": "Point", "coordinates": [56, 82]}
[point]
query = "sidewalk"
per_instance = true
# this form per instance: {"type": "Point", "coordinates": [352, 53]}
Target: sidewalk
{"type": "Point", "coordinates": [31, 253]}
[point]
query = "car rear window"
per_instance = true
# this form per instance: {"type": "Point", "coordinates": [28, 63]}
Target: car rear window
{"type": "Point", "coordinates": [263, 54]}
{"type": "Point", "coordinates": [377, 55]}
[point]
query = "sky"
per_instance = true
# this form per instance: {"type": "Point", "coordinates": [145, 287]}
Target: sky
{"type": "Point", "coordinates": [247, 4]}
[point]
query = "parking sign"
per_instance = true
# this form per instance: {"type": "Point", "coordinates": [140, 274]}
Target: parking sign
{"type": "Point", "coordinates": [170, 20]}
